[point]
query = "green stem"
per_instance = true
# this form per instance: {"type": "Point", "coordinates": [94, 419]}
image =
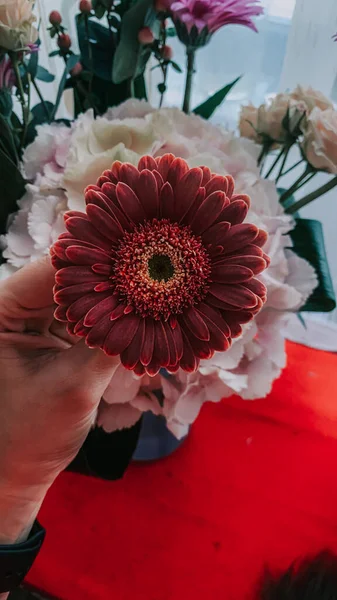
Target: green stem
{"type": "Point", "coordinates": [277, 159]}
{"type": "Point", "coordinates": [25, 115]}
{"type": "Point", "coordinates": [91, 59]}
{"type": "Point", "coordinates": [286, 154]}
{"type": "Point", "coordinates": [162, 94]}
{"type": "Point", "coordinates": [190, 53]}
{"type": "Point", "coordinates": [293, 167]}
{"type": "Point", "coordinates": [38, 91]}
{"type": "Point", "coordinates": [312, 196]}
{"type": "Point", "coordinates": [298, 183]}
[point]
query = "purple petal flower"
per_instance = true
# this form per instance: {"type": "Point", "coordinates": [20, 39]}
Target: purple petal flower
{"type": "Point", "coordinates": [214, 14]}
{"type": "Point", "coordinates": [7, 75]}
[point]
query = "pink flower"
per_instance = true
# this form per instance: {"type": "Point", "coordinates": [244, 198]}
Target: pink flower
{"type": "Point", "coordinates": [214, 14]}
{"type": "Point", "coordinates": [7, 76]}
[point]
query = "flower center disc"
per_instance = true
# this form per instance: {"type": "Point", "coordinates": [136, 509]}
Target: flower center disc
{"type": "Point", "coordinates": [161, 268]}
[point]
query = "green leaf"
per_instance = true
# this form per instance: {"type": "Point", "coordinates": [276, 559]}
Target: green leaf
{"type": "Point", "coordinates": [131, 56]}
{"type": "Point", "coordinates": [175, 66]}
{"type": "Point", "coordinates": [6, 103]}
{"type": "Point", "coordinates": [308, 243]}
{"type": "Point", "coordinates": [103, 49]}
{"type": "Point", "coordinates": [43, 75]}
{"type": "Point", "coordinates": [40, 114]}
{"type": "Point", "coordinates": [115, 21]}
{"type": "Point", "coordinates": [99, 11]}
{"type": "Point", "coordinates": [7, 140]}
{"type": "Point", "coordinates": [33, 64]}
{"type": "Point", "coordinates": [207, 108]}
{"type": "Point", "coordinates": [71, 62]}
{"type": "Point", "coordinates": [171, 32]}
{"type": "Point", "coordinates": [54, 53]}
{"type": "Point", "coordinates": [161, 88]}
{"type": "Point", "coordinates": [139, 88]}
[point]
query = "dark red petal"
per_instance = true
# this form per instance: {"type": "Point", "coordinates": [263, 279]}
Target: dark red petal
{"type": "Point", "coordinates": [166, 202]}
{"type": "Point", "coordinates": [153, 368]}
{"type": "Point", "coordinates": [161, 352]}
{"type": "Point", "coordinates": [72, 275]}
{"type": "Point", "coordinates": [129, 174]}
{"type": "Point", "coordinates": [109, 190]}
{"type": "Point", "coordinates": [114, 173]}
{"type": "Point", "coordinates": [243, 316]}
{"type": "Point", "coordinates": [186, 191]}
{"type": "Point", "coordinates": [60, 313]}
{"type": "Point", "coordinates": [208, 212]}
{"type": "Point", "coordinates": [214, 316]}
{"type": "Point", "coordinates": [98, 332]}
{"type": "Point", "coordinates": [248, 250]}
{"type": "Point", "coordinates": [147, 192]}
{"type": "Point", "coordinates": [206, 175]}
{"type": "Point", "coordinates": [121, 334]}
{"type": "Point", "coordinates": [105, 224]}
{"type": "Point", "coordinates": [80, 330]}
{"type": "Point", "coordinates": [102, 308]}
{"type": "Point", "coordinates": [159, 180]}
{"type": "Point", "coordinates": [231, 273]}
{"type": "Point", "coordinates": [98, 198]}
{"type": "Point", "coordinates": [130, 356]}
{"type": "Point", "coordinates": [104, 286]}
{"type": "Point", "coordinates": [164, 163]}
{"type": "Point", "coordinates": [231, 185]}
{"type": "Point", "coordinates": [118, 312]}
{"type": "Point", "coordinates": [240, 235]}
{"type": "Point", "coordinates": [201, 348]}
{"type": "Point", "coordinates": [267, 259]}
{"type": "Point", "coordinates": [200, 197]}
{"type": "Point", "coordinates": [216, 234]}
{"type": "Point", "coordinates": [139, 369]}
{"type": "Point", "coordinates": [80, 307]}
{"type": "Point", "coordinates": [147, 162]}
{"type": "Point", "coordinates": [102, 269]}
{"type": "Point", "coordinates": [218, 340]}
{"type": "Point", "coordinates": [257, 287]}
{"type": "Point", "coordinates": [217, 183]}
{"type": "Point", "coordinates": [221, 304]}
{"type": "Point", "coordinates": [254, 263]}
{"type": "Point", "coordinates": [129, 203]}
{"type": "Point", "coordinates": [178, 340]}
{"type": "Point", "coordinates": [115, 210]}
{"type": "Point", "coordinates": [146, 351]}
{"type": "Point", "coordinates": [102, 180]}
{"type": "Point", "coordinates": [68, 295]}
{"type": "Point", "coordinates": [171, 344]}
{"type": "Point", "coordinates": [79, 255]}
{"type": "Point", "coordinates": [189, 362]}
{"type": "Point", "coordinates": [73, 213]}
{"type": "Point", "coordinates": [235, 212]}
{"type": "Point", "coordinates": [242, 197]}
{"type": "Point", "coordinates": [236, 295]}
{"type": "Point", "coordinates": [84, 230]}
{"type": "Point", "coordinates": [261, 238]}
{"type": "Point", "coordinates": [95, 188]}
{"type": "Point", "coordinates": [177, 169]}
{"type": "Point", "coordinates": [196, 324]}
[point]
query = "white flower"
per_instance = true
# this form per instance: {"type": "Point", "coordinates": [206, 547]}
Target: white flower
{"type": "Point", "coordinates": [46, 156]}
{"type": "Point", "coordinates": [320, 139]}
{"type": "Point", "coordinates": [16, 24]}
{"type": "Point", "coordinates": [311, 98]}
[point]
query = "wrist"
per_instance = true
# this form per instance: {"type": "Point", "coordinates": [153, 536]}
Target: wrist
{"type": "Point", "coordinates": [18, 511]}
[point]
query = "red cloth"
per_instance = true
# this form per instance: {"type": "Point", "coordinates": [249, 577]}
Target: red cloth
{"type": "Point", "coordinates": [254, 484]}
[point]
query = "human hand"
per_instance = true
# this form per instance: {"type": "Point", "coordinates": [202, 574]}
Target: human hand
{"type": "Point", "coordinates": [51, 385]}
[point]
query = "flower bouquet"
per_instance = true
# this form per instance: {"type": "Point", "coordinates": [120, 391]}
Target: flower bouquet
{"type": "Point", "coordinates": [170, 247]}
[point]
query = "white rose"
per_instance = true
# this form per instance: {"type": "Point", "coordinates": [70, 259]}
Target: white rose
{"type": "Point", "coordinates": [248, 122]}
{"type": "Point", "coordinates": [311, 98]}
{"type": "Point", "coordinates": [320, 140]}
{"type": "Point", "coordinates": [16, 24]}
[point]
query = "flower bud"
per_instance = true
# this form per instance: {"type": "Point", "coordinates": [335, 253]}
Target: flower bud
{"type": "Point", "coordinates": [166, 52]}
{"type": "Point", "coordinates": [55, 17]}
{"type": "Point", "coordinates": [85, 6]}
{"type": "Point", "coordinates": [145, 36]}
{"type": "Point", "coordinates": [64, 41]}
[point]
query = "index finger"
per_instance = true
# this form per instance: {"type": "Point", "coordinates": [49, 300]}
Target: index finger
{"type": "Point", "coordinates": [32, 286]}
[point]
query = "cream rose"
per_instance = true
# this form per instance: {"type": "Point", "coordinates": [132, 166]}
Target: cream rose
{"type": "Point", "coordinates": [311, 98]}
{"type": "Point", "coordinates": [16, 24]}
{"type": "Point", "coordinates": [320, 140]}
{"type": "Point", "coordinates": [271, 116]}
{"type": "Point", "coordinates": [248, 122]}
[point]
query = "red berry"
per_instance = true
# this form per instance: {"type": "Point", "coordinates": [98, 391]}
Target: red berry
{"type": "Point", "coordinates": [166, 52]}
{"type": "Point", "coordinates": [145, 36]}
{"type": "Point", "coordinates": [160, 6]}
{"type": "Point", "coordinates": [55, 17]}
{"type": "Point", "coordinates": [76, 70]}
{"type": "Point", "coordinates": [64, 41]}
{"type": "Point", "coordinates": [85, 6]}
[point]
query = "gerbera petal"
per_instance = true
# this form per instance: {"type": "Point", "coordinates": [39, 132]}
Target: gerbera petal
{"type": "Point", "coordinates": [73, 213]}
{"type": "Point", "coordinates": [102, 180]}
{"type": "Point", "coordinates": [68, 295]}
{"type": "Point", "coordinates": [216, 234]}
{"type": "Point", "coordinates": [255, 263]}
{"type": "Point", "coordinates": [206, 175]}
{"type": "Point", "coordinates": [189, 362]}
{"type": "Point", "coordinates": [243, 197]}
{"type": "Point", "coordinates": [105, 224]}
{"type": "Point", "coordinates": [217, 183]}
{"type": "Point", "coordinates": [164, 163]}
{"type": "Point", "coordinates": [177, 169]}
{"type": "Point", "coordinates": [114, 173]}
{"type": "Point", "coordinates": [186, 191]}
{"type": "Point", "coordinates": [102, 269]}
{"type": "Point", "coordinates": [240, 235]}
{"type": "Point", "coordinates": [178, 340]}
{"type": "Point", "coordinates": [129, 174]}
{"type": "Point", "coordinates": [118, 312]}
{"type": "Point", "coordinates": [146, 350]}
{"type": "Point", "coordinates": [161, 352]}
{"type": "Point", "coordinates": [171, 345]}
{"type": "Point", "coordinates": [208, 212]}
{"type": "Point", "coordinates": [167, 201]}
{"type": "Point", "coordinates": [78, 309]}
{"type": "Point", "coordinates": [129, 203]}
{"type": "Point", "coordinates": [257, 287]}
{"type": "Point", "coordinates": [79, 255]}
{"type": "Point", "coordinates": [213, 315]}
{"type": "Point", "coordinates": [67, 276]}
{"type": "Point", "coordinates": [261, 238]}
{"type": "Point", "coordinates": [102, 308]}
{"type": "Point", "coordinates": [231, 273]}
{"type": "Point", "coordinates": [121, 334]}
{"type": "Point", "coordinates": [200, 197]}
{"type": "Point", "coordinates": [196, 324]}
{"type": "Point", "coordinates": [115, 210]}
{"type": "Point", "coordinates": [236, 295]}
{"type": "Point", "coordinates": [83, 229]}
{"type": "Point", "coordinates": [139, 369]}
{"type": "Point", "coordinates": [79, 329]}
{"type": "Point", "coordinates": [147, 162]}
{"type": "Point", "coordinates": [235, 212]}
{"type": "Point", "coordinates": [60, 313]}
{"type": "Point", "coordinates": [98, 332]}
{"type": "Point", "coordinates": [130, 356]}
{"type": "Point", "coordinates": [147, 192]}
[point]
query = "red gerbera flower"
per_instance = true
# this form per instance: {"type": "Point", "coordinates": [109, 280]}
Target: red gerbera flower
{"type": "Point", "coordinates": [161, 268]}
